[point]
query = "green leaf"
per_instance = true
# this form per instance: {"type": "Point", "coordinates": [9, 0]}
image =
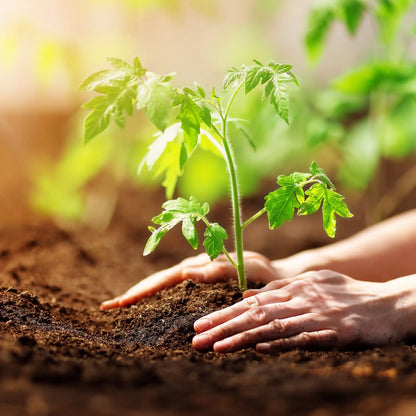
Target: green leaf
{"type": "Point", "coordinates": [319, 22]}
{"type": "Point", "coordinates": [299, 177]}
{"type": "Point", "coordinates": [166, 157]}
{"type": "Point", "coordinates": [119, 89]}
{"type": "Point", "coordinates": [158, 147]}
{"type": "Point", "coordinates": [351, 12]}
{"type": "Point", "coordinates": [157, 234]}
{"type": "Point", "coordinates": [321, 175]}
{"type": "Point", "coordinates": [315, 194]}
{"type": "Point", "coordinates": [122, 73]}
{"type": "Point", "coordinates": [119, 98]}
{"type": "Point", "coordinates": [200, 91]}
{"type": "Point", "coordinates": [190, 116]}
{"type": "Point", "coordinates": [156, 96]}
{"type": "Point", "coordinates": [176, 211]}
{"type": "Point", "coordinates": [120, 64]}
{"type": "Point", "coordinates": [333, 204]}
{"type": "Point", "coordinates": [205, 114]}
{"type": "Point", "coordinates": [381, 76]}
{"type": "Point", "coordinates": [390, 15]}
{"type": "Point", "coordinates": [100, 79]}
{"type": "Point", "coordinates": [361, 150]}
{"type": "Point", "coordinates": [154, 241]}
{"type": "Point", "coordinates": [280, 99]}
{"type": "Point", "coordinates": [214, 241]}
{"type": "Point", "coordinates": [398, 136]}
{"type": "Point", "coordinates": [184, 206]}
{"type": "Point", "coordinates": [189, 231]}
{"type": "Point", "coordinates": [281, 203]}
{"type": "Point", "coordinates": [254, 76]}
{"type": "Point", "coordinates": [275, 78]}
{"type": "Point", "coordinates": [98, 119]}
{"type": "Point", "coordinates": [138, 68]}
{"type": "Point", "coordinates": [232, 76]}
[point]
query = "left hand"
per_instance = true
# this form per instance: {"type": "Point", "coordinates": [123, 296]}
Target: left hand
{"type": "Point", "coordinates": [312, 310]}
{"type": "Point", "coordinates": [201, 269]}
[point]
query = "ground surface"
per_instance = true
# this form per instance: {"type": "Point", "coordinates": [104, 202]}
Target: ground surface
{"type": "Point", "coordinates": [60, 355]}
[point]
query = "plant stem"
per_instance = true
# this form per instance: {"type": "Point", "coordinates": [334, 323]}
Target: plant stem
{"type": "Point", "coordinates": [238, 229]}
{"type": "Point", "coordinates": [235, 196]}
{"type": "Point", "coordinates": [253, 218]}
{"type": "Point", "coordinates": [227, 254]}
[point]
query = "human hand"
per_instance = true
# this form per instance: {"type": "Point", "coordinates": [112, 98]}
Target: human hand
{"type": "Point", "coordinates": [199, 268]}
{"type": "Point", "coordinates": [312, 310]}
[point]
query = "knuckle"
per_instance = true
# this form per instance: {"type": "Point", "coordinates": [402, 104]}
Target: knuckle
{"type": "Point", "coordinates": [305, 338]}
{"type": "Point", "coordinates": [308, 275]}
{"type": "Point", "coordinates": [275, 284]}
{"type": "Point", "coordinates": [245, 338]}
{"type": "Point", "coordinates": [278, 327]}
{"type": "Point", "coordinates": [350, 327]}
{"type": "Point", "coordinates": [299, 286]}
{"type": "Point", "coordinates": [332, 338]}
{"type": "Point", "coordinates": [252, 301]}
{"type": "Point", "coordinates": [257, 314]}
{"type": "Point", "coordinates": [222, 332]}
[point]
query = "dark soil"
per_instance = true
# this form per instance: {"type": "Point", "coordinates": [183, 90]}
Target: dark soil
{"type": "Point", "coordinates": [59, 355]}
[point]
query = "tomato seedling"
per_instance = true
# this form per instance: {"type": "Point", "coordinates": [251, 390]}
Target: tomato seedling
{"type": "Point", "coordinates": [205, 118]}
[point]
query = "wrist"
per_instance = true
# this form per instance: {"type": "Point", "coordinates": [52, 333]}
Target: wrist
{"type": "Point", "coordinates": [301, 262]}
{"type": "Point", "coordinates": [403, 290]}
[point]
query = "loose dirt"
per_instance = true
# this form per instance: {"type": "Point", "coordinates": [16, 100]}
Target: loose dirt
{"type": "Point", "coordinates": [60, 355]}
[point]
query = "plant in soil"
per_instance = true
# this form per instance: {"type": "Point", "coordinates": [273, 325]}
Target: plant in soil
{"type": "Point", "coordinates": [204, 119]}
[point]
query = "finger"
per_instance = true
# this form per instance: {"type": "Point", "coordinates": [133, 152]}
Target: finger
{"type": "Point", "coordinates": [224, 315]}
{"type": "Point", "coordinates": [146, 287]}
{"type": "Point", "coordinates": [199, 260]}
{"type": "Point", "coordinates": [276, 329]}
{"type": "Point", "coordinates": [110, 304]}
{"type": "Point", "coordinates": [274, 285]}
{"type": "Point", "coordinates": [257, 324]}
{"type": "Point", "coordinates": [215, 271]}
{"type": "Point", "coordinates": [326, 338]}
{"type": "Point", "coordinates": [187, 269]}
{"type": "Point", "coordinates": [258, 268]}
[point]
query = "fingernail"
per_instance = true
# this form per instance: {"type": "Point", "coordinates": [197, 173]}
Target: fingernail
{"type": "Point", "coordinates": [202, 324]}
{"type": "Point", "coordinates": [263, 347]}
{"type": "Point", "coordinates": [201, 342]}
{"type": "Point", "coordinates": [105, 305]}
{"type": "Point", "coordinates": [249, 292]}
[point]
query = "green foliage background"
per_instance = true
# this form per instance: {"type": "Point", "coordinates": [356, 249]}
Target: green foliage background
{"type": "Point", "coordinates": [349, 123]}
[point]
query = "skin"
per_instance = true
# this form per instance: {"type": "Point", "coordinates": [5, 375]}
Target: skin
{"type": "Point", "coordinates": [361, 290]}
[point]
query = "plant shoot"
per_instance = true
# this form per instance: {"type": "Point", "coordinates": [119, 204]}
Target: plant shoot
{"type": "Point", "coordinates": [187, 117]}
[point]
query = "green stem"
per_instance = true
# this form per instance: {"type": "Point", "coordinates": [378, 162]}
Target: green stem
{"type": "Point", "coordinates": [235, 196]}
{"type": "Point", "coordinates": [227, 254]}
{"type": "Point", "coordinates": [227, 110]}
{"type": "Point", "coordinates": [253, 218]}
{"type": "Point", "coordinates": [238, 229]}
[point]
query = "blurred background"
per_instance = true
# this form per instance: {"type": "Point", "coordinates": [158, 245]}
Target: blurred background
{"type": "Point", "coordinates": [354, 113]}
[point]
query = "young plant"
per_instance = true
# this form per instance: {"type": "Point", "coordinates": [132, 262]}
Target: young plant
{"type": "Point", "coordinates": [205, 118]}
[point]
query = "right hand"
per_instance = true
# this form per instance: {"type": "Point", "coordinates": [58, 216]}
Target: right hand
{"type": "Point", "coordinates": [199, 268]}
